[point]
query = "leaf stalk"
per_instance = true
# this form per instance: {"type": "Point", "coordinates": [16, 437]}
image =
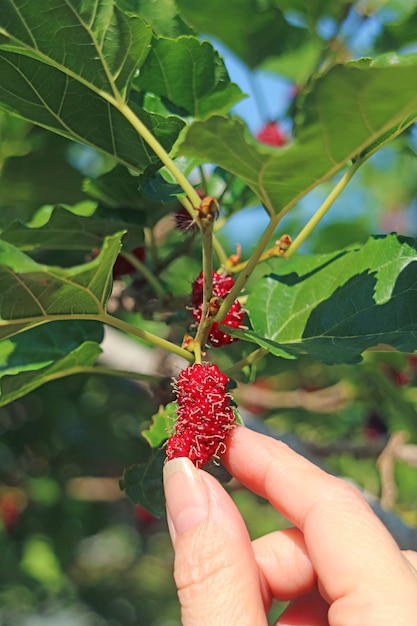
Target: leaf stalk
{"type": "Point", "coordinates": [322, 210]}
{"type": "Point", "coordinates": [248, 269]}
{"type": "Point", "coordinates": [160, 151]}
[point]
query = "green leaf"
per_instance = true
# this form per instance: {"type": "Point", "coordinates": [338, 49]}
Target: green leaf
{"type": "Point", "coordinates": [298, 64]}
{"type": "Point", "coordinates": [335, 306]}
{"type": "Point", "coordinates": [119, 190]}
{"type": "Point", "coordinates": [174, 64]}
{"type": "Point", "coordinates": [162, 16]}
{"type": "Point", "coordinates": [66, 231]}
{"type": "Point", "coordinates": [162, 424]}
{"type": "Point", "coordinates": [159, 189]}
{"type": "Point", "coordinates": [239, 418]}
{"type": "Point", "coordinates": [76, 82]}
{"type": "Point", "coordinates": [31, 293]}
{"type": "Point", "coordinates": [310, 12]}
{"type": "Point", "coordinates": [253, 32]}
{"type": "Point", "coordinates": [45, 353]}
{"type": "Point", "coordinates": [40, 176]}
{"type": "Point", "coordinates": [143, 484]}
{"type": "Point", "coordinates": [234, 192]}
{"type": "Point", "coordinates": [349, 109]}
{"type": "Point", "coordinates": [44, 344]}
{"type": "Point", "coordinates": [401, 32]}
{"type": "Point", "coordinates": [108, 45]}
{"type": "Point", "coordinates": [16, 386]}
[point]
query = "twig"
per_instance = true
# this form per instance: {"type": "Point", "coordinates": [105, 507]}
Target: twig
{"type": "Point", "coordinates": [386, 465]}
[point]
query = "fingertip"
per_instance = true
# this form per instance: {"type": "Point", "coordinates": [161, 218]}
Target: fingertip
{"type": "Point", "coordinates": [186, 496]}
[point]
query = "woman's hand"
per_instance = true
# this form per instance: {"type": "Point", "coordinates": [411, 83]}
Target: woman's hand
{"type": "Point", "coordinates": [338, 565]}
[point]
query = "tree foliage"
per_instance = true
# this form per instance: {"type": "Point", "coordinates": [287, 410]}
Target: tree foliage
{"type": "Point", "coordinates": [117, 115]}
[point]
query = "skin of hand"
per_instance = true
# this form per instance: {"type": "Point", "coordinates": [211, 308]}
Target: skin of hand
{"type": "Point", "coordinates": [337, 565]}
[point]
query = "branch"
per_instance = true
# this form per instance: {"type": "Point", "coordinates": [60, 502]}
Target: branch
{"type": "Point", "coordinates": [326, 400]}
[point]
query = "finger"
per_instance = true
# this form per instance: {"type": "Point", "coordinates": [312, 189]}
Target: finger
{"type": "Point", "coordinates": [347, 544]}
{"type": "Point", "coordinates": [310, 609]}
{"type": "Point", "coordinates": [284, 564]}
{"type": "Point", "coordinates": [411, 557]}
{"type": "Point", "coordinates": [215, 569]}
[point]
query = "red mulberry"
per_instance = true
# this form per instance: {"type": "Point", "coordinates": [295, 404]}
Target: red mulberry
{"type": "Point", "coordinates": [233, 319]}
{"type": "Point", "coordinates": [204, 415]}
{"type": "Point", "coordinates": [272, 135]}
{"type": "Point", "coordinates": [222, 284]}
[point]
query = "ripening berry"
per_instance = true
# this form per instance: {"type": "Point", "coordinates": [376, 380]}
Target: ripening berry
{"type": "Point", "coordinates": [272, 135]}
{"type": "Point", "coordinates": [222, 284]}
{"type": "Point", "coordinates": [233, 319]}
{"type": "Point", "coordinates": [204, 414]}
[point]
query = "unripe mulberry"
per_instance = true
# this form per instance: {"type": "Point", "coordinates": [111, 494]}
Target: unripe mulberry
{"type": "Point", "coordinates": [204, 415]}
{"type": "Point", "coordinates": [183, 220]}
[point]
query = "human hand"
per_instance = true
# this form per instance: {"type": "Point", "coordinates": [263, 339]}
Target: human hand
{"type": "Point", "coordinates": [338, 566]}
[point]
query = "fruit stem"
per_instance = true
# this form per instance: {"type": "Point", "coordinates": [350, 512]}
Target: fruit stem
{"type": "Point", "coordinates": [322, 210]}
{"type": "Point", "coordinates": [189, 207]}
{"type": "Point", "coordinates": [274, 252]}
{"type": "Point", "coordinates": [203, 179]}
{"type": "Point", "coordinates": [207, 262]}
{"type": "Point", "coordinates": [146, 134]}
{"type": "Point", "coordinates": [222, 256]}
{"type": "Point", "coordinates": [197, 352]}
{"type": "Point", "coordinates": [248, 269]}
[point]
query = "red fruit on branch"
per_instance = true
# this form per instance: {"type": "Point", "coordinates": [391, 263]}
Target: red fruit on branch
{"type": "Point", "coordinates": [204, 415]}
{"type": "Point", "coordinates": [272, 135]}
{"type": "Point", "coordinates": [233, 319]}
{"type": "Point", "coordinates": [222, 284]}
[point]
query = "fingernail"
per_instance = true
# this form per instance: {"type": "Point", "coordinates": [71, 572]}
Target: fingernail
{"type": "Point", "coordinates": [186, 495]}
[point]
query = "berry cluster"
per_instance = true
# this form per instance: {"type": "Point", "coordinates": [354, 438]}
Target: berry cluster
{"type": "Point", "coordinates": [204, 414]}
{"type": "Point", "coordinates": [222, 284]}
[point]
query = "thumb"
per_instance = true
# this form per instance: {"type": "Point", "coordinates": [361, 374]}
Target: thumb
{"type": "Point", "coordinates": [215, 569]}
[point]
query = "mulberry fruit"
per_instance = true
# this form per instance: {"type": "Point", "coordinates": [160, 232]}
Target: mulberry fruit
{"type": "Point", "coordinates": [272, 135]}
{"type": "Point", "coordinates": [222, 284]}
{"type": "Point", "coordinates": [204, 415]}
